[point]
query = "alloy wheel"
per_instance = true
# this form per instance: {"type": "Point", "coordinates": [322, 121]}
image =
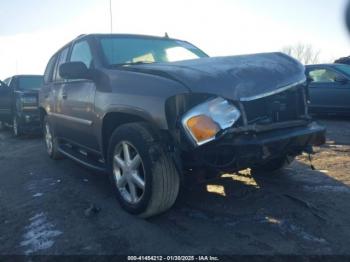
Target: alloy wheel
{"type": "Point", "coordinates": [129, 172]}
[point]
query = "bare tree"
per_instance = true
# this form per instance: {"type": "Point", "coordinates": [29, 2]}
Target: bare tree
{"type": "Point", "coordinates": [306, 54]}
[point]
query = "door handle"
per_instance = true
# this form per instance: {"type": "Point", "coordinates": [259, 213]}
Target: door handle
{"type": "Point", "coordinates": [64, 95]}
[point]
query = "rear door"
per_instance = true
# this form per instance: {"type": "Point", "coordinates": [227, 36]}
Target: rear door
{"type": "Point", "coordinates": [5, 101]}
{"type": "Point", "coordinates": [326, 93]}
{"type": "Point", "coordinates": [76, 102]}
{"type": "Point", "coordinates": [55, 93]}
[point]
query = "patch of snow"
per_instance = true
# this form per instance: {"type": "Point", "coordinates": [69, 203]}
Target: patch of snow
{"type": "Point", "coordinates": [55, 182]}
{"type": "Point", "coordinates": [286, 227]}
{"type": "Point", "coordinates": [294, 229]}
{"type": "Point", "coordinates": [31, 187]}
{"type": "Point", "coordinates": [39, 235]}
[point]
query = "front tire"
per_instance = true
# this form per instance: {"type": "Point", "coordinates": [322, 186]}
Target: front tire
{"type": "Point", "coordinates": [16, 127]}
{"type": "Point", "coordinates": [143, 174]}
{"type": "Point", "coordinates": [50, 140]}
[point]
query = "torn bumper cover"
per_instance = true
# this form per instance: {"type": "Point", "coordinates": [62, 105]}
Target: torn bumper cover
{"type": "Point", "coordinates": [239, 149]}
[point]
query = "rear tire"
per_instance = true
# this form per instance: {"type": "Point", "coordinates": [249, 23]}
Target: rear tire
{"type": "Point", "coordinates": [51, 143]}
{"type": "Point", "coordinates": [143, 174]}
{"type": "Point", "coordinates": [273, 165]}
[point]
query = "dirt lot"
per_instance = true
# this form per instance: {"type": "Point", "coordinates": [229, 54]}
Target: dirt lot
{"type": "Point", "coordinates": [45, 208]}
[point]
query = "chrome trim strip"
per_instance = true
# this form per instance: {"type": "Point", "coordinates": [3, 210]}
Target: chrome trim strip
{"type": "Point", "coordinates": [30, 108]}
{"type": "Point", "coordinates": [279, 90]}
{"type": "Point", "coordinates": [73, 119]}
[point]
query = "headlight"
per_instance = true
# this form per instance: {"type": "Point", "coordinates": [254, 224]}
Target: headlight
{"type": "Point", "coordinates": [29, 100]}
{"type": "Point", "coordinates": [204, 121]}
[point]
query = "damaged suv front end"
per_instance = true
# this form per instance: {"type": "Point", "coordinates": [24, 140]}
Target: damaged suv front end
{"type": "Point", "coordinates": [244, 136]}
{"type": "Point", "coordinates": [263, 123]}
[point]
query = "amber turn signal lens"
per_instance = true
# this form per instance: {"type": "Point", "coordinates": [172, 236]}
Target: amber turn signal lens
{"type": "Point", "coordinates": [202, 127]}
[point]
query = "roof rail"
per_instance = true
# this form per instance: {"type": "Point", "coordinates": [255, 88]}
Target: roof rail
{"type": "Point", "coordinates": [80, 36]}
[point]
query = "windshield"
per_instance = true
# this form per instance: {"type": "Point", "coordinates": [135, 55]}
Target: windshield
{"type": "Point", "coordinates": [30, 82]}
{"type": "Point", "coordinates": [129, 50]}
{"type": "Point", "coordinates": [344, 68]}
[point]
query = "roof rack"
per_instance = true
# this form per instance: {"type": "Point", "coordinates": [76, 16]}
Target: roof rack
{"type": "Point", "coordinates": [80, 36]}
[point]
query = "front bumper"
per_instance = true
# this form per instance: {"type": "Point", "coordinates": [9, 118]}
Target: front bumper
{"type": "Point", "coordinates": [29, 120]}
{"type": "Point", "coordinates": [238, 149]}
{"type": "Point", "coordinates": [313, 133]}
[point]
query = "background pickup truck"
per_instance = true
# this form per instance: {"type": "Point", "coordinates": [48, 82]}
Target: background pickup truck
{"type": "Point", "coordinates": [19, 103]}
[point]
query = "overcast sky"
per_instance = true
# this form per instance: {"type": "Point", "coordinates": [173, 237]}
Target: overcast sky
{"type": "Point", "coordinates": [32, 30]}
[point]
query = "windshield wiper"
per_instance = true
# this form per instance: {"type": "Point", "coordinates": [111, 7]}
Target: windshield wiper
{"type": "Point", "coordinates": [132, 63]}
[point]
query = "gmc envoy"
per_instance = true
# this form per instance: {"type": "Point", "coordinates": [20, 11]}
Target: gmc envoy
{"type": "Point", "coordinates": [148, 110]}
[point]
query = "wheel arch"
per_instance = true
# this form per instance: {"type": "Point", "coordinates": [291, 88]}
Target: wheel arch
{"type": "Point", "coordinates": [114, 119]}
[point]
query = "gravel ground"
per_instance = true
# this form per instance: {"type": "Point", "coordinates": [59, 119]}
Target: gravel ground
{"type": "Point", "coordinates": [58, 207]}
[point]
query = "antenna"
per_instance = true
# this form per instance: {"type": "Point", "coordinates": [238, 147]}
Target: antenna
{"type": "Point", "coordinates": [111, 15]}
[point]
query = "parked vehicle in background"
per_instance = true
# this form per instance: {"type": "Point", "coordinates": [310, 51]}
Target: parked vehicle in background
{"type": "Point", "coordinates": [2, 87]}
{"type": "Point", "coordinates": [19, 103]}
{"type": "Point", "coordinates": [343, 60]}
{"type": "Point", "coordinates": [148, 109]}
{"type": "Point", "coordinates": [329, 88]}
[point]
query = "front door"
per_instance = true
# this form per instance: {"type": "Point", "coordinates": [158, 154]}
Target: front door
{"type": "Point", "coordinates": [76, 103]}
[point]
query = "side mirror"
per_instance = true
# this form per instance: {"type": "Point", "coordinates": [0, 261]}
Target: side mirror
{"type": "Point", "coordinates": [74, 70]}
{"type": "Point", "coordinates": [309, 79]}
{"type": "Point", "coordinates": [341, 79]}
{"type": "Point", "coordinates": [2, 84]}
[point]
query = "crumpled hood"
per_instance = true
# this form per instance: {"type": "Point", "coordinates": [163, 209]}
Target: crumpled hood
{"type": "Point", "coordinates": [233, 77]}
